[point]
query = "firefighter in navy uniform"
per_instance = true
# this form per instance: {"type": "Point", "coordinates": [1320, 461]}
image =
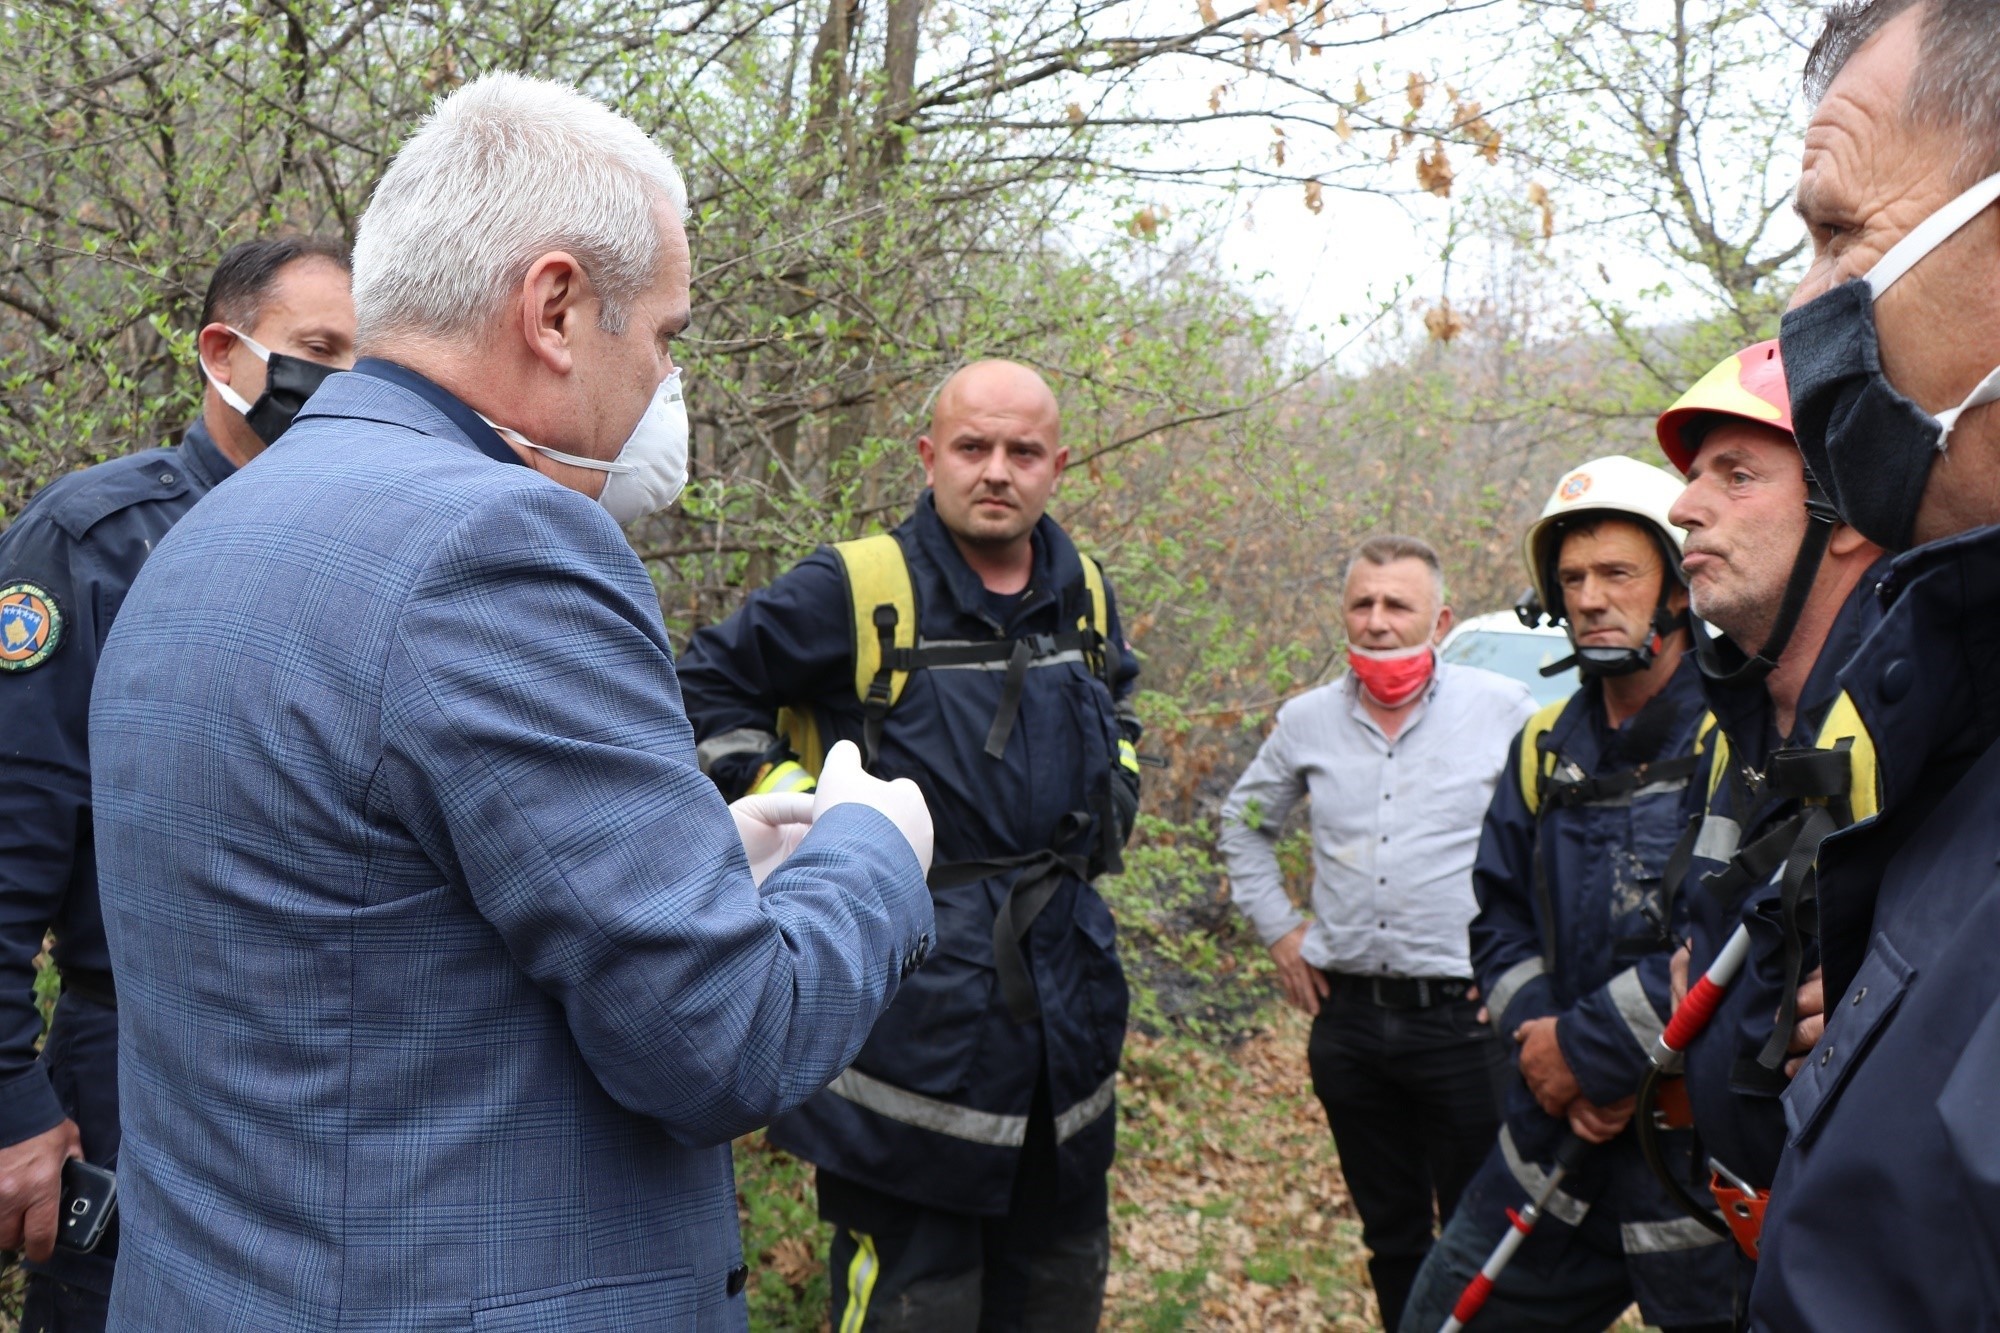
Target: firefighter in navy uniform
{"type": "Point", "coordinates": [963, 1158]}
{"type": "Point", "coordinates": [1770, 566]}
{"type": "Point", "coordinates": [1574, 934]}
{"type": "Point", "coordinates": [277, 320]}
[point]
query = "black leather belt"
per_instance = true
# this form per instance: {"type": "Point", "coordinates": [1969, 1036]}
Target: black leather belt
{"type": "Point", "coordinates": [1398, 992]}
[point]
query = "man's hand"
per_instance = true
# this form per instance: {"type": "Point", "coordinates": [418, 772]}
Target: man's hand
{"type": "Point", "coordinates": [1811, 1021]}
{"type": "Point", "coordinates": [31, 1189]}
{"type": "Point", "coordinates": [1600, 1124]}
{"type": "Point", "coordinates": [1677, 974]}
{"type": "Point", "coordinates": [772, 826]}
{"type": "Point", "coordinates": [1544, 1068]}
{"type": "Point", "coordinates": [1305, 985]}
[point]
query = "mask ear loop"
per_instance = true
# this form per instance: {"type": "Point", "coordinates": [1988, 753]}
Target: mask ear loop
{"type": "Point", "coordinates": [228, 394]}
{"type": "Point", "coordinates": [1929, 234]}
{"type": "Point", "coordinates": [1987, 391]}
{"type": "Point", "coordinates": [1925, 237]}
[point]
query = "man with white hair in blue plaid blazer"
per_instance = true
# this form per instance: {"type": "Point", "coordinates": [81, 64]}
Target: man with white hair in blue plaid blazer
{"type": "Point", "coordinates": [446, 977]}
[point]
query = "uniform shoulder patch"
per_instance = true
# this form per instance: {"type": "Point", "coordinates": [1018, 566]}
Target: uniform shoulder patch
{"type": "Point", "coordinates": [31, 626]}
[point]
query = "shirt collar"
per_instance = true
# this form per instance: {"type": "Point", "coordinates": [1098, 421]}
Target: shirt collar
{"type": "Point", "coordinates": [483, 437]}
{"type": "Point", "coordinates": [201, 456]}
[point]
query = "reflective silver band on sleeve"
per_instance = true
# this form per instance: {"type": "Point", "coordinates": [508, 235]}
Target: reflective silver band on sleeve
{"type": "Point", "coordinates": [1685, 1233]}
{"type": "Point", "coordinates": [1636, 1008]}
{"type": "Point", "coordinates": [1565, 1207]}
{"type": "Point", "coordinates": [1509, 985]}
{"type": "Point", "coordinates": [743, 740]}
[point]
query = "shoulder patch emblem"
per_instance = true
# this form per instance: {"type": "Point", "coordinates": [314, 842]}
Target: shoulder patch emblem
{"type": "Point", "coordinates": [30, 626]}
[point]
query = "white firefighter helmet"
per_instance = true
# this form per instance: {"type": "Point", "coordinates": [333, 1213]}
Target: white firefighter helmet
{"type": "Point", "coordinates": [1612, 486]}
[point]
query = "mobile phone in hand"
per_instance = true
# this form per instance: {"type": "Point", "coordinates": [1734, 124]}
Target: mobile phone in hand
{"type": "Point", "coordinates": [89, 1202]}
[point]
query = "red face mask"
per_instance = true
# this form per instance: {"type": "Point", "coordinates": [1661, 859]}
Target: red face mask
{"type": "Point", "coordinates": [1392, 676]}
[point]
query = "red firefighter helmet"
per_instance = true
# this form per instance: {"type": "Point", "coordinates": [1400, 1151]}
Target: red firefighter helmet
{"type": "Point", "coordinates": [1749, 386]}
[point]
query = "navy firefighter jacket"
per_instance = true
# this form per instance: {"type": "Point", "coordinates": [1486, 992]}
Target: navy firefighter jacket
{"type": "Point", "coordinates": [935, 1108]}
{"type": "Point", "coordinates": [1735, 1102]}
{"type": "Point", "coordinates": [66, 563]}
{"type": "Point", "coordinates": [1886, 1209]}
{"type": "Point", "coordinates": [1573, 922]}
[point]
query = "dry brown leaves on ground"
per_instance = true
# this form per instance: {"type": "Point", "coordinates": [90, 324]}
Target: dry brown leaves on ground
{"type": "Point", "coordinates": [1229, 1211]}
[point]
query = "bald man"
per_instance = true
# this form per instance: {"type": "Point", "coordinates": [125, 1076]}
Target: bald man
{"type": "Point", "coordinates": [962, 1159]}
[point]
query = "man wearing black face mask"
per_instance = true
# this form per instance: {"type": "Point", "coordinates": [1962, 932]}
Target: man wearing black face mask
{"type": "Point", "coordinates": [277, 320]}
{"type": "Point", "coordinates": [1885, 1212]}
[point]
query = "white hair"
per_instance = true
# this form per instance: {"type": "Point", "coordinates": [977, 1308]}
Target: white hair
{"type": "Point", "coordinates": [501, 172]}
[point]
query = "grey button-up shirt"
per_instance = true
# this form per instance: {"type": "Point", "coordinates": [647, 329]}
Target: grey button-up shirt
{"type": "Point", "coordinates": [1395, 824]}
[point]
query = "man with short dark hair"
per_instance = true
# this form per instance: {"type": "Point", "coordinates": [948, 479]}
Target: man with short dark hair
{"type": "Point", "coordinates": [1399, 757]}
{"type": "Point", "coordinates": [276, 321]}
{"type": "Point", "coordinates": [963, 1158]}
{"type": "Point", "coordinates": [1885, 1212]}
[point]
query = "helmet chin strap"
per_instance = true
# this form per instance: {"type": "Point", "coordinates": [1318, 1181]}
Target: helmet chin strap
{"type": "Point", "coordinates": [1595, 663]}
{"type": "Point", "coordinates": [1714, 656]}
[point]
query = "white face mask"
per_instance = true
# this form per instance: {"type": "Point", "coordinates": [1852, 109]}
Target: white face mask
{"type": "Point", "coordinates": [650, 470]}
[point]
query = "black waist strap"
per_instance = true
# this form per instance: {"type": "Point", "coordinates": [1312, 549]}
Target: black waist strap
{"type": "Point", "coordinates": [1041, 874]}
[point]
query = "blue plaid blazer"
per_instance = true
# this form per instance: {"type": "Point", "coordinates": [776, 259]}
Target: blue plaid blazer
{"type": "Point", "coordinates": [443, 983]}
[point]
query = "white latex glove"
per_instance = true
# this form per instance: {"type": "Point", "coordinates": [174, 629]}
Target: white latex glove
{"type": "Point", "coordinates": [842, 781]}
{"type": "Point", "coordinates": [772, 826]}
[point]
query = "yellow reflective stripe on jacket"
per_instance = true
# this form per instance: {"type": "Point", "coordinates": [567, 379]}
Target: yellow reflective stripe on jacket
{"type": "Point", "coordinates": [787, 776]}
{"type": "Point", "coordinates": [1128, 756]}
{"type": "Point", "coordinates": [862, 1271]}
{"type": "Point", "coordinates": [1718, 766]}
{"type": "Point", "coordinates": [1843, 723]}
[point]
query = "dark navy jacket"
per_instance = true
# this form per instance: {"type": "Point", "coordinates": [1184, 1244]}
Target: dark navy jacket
{"type": "Point", "coordinates": [80, 541]}
{"type": "Point", "coordinates": [1736, 1109]}
{"type": "Point", "coordinates": [1886, 1209]}
{"type": "Point", "coordinates": [935, 1109]}
{"type": "Point", "coordinates": [1606, 981]}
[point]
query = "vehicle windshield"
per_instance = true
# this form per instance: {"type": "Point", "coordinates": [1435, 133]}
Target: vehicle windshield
{"type": "Point", "coordinates": [1519, 655]}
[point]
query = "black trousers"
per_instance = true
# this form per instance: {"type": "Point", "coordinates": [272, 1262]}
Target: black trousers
{"type": "Point", "coordinates": [899, 1267]}
{"type": "Point", "coordinates": [1413, 1097]}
